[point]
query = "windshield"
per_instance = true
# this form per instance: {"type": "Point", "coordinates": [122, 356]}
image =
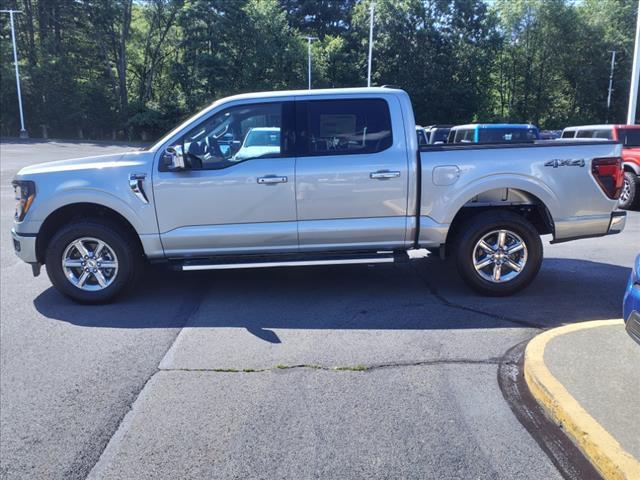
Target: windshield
{"type": "Point", "coordinates": [630, 137]}
{"type": "Point", "coordinates": [500, 135]}
{"type": "Point", "coordinates": [262, 138]}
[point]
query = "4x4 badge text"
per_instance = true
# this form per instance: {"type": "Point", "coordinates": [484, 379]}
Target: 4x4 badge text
{"type": "Point", "coordinates": [555, 163]}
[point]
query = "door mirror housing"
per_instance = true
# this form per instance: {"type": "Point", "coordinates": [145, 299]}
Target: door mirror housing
{"type": "Point", "coordinates": [175, 159]}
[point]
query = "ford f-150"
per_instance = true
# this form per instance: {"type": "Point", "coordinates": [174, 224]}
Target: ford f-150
{"type": "Point", "coordinates": [347, 183]}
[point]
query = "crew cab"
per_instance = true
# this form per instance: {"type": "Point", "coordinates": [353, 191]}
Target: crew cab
{"type": "Point", "coordinates": [346, 184]}
{"type": "Point", "coordinates": [629, 136]}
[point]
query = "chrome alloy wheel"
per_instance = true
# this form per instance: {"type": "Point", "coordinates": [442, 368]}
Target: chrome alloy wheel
{"type": "Point", "coordinates": [500, 256]}
{"type": "Point", "coordinates": [90, 264]}
{"type": "Point", "coordinates": [626, 191]}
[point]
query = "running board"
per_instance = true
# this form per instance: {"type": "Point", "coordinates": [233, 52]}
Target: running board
{"type": "Point", "coordinates": [203, 265]}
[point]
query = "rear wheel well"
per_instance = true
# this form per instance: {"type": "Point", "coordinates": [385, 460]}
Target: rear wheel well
{"type": "Point", "coordinates": [69, 213]}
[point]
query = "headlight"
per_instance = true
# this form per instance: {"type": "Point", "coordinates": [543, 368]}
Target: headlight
{"type": "Point", "coordinates": [25, 192]}
{"type": "Point", "coordinates": [636, 270]}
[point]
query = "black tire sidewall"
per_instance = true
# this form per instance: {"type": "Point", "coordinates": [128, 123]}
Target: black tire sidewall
{"type": "Point", "coordinates": [480, 225]}
{"type": "Point", "coordinates": [633, 201]}
{"type": "Point", "coordinates": [110, 234]}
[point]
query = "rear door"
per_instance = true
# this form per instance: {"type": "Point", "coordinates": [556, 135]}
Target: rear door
{"type": "Point", "coordinates": [351, 173]}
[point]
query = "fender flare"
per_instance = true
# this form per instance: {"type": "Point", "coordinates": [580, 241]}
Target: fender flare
{"type": "Point", "coordinates": [96, 197]}
{"type": "Point", "coordinates": [523, 183]}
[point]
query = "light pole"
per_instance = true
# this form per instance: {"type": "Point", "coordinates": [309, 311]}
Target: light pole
{"type": "Point", "coordinates": [23, 131]}
{"type": "Point", "coordinates": [309, 40]}
{"type": "Point", "coordinates": [372, 7]}
{"type": "Point", "coordinates": [613, 66]}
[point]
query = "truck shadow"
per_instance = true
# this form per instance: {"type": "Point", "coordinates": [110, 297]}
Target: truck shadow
{"type": "Point", "coordinates": [424, 294]}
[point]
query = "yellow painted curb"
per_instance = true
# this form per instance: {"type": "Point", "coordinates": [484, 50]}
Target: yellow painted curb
{"type": "Point", "coordinates": [604, 452]}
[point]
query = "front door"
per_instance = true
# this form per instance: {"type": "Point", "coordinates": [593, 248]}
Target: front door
{"type": "Point", "coordinates": [238, 193]}
{"type": "Point", "coordinates": [351, 174]}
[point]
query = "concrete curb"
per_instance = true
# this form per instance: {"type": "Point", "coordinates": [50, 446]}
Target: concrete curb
{"type": "Point", "coordinates": [602, 450]}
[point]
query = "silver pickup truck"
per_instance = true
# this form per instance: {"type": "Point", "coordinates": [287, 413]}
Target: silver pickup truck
{"type": "Point", "coordinates": [326, 177]}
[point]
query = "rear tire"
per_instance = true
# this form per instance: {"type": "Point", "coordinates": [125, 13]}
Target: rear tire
{"type": "Point", "coordinates": [93, 261]}
{"type": "Point", "coordinates": [497, 253]}
{"type": "Point", "coordinates": [630, 196]}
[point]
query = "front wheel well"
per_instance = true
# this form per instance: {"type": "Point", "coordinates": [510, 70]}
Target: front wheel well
{"type": "Point", "coordinates": [69, 213]}
{"type": "Point", "coordinates": [628, 168]}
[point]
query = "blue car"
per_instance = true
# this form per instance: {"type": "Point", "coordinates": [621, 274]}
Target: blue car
{"type": "Point", "coordinates": [631, 303]}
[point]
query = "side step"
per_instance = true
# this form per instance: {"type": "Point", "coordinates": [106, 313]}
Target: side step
{"type": "Point", "coordinates": [222, 263]}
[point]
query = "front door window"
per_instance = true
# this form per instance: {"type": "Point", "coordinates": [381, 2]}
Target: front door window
{"type": "Point", "coordinates": [236, 134]}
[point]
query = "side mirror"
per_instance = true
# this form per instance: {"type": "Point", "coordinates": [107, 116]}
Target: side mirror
{"type": "Point", "coordinates": [175, 159]}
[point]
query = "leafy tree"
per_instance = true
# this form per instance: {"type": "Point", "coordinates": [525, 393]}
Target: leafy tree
{"type": "Point", "coordinates": [319, 17]}
{"type": "Point", "coordinates": [131, 69]}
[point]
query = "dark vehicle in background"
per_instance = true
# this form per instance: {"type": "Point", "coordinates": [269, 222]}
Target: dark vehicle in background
{"type": "Point", "coordinates": [493, 133]}
{"type": "Point", "coordinates": [437, 134]}
{"type": "Point", "coordinates": [423, 136]}
{"type": "Point", "coordinates": [631, 302]}
{"type": "Point", "coordinates": [550, 134]}
{"type": "Point", "coordinates": [629, 136]}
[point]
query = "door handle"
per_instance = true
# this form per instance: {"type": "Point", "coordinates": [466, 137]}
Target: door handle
{"type": "Point", "coordinates": [384, 174]}
{"type": "Point", "coordinates": [271, 179]}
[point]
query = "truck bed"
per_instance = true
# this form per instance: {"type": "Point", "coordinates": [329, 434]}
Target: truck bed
{"type": "Point", "coordinates": [553, 173]}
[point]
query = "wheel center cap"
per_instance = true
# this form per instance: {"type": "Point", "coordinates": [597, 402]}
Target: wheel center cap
{"type": "Point", "coordinates": [91, 263]}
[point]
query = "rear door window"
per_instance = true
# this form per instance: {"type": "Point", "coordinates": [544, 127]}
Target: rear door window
{"type": "Point", "coordinates": [343, 127]}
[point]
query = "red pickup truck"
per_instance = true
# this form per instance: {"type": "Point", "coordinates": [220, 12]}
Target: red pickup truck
{"type": "Point", "coordinates": [629, 136]}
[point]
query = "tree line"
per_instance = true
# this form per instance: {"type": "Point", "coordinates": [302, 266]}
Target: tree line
{"type": "Point", "coordinates": [124, 69]}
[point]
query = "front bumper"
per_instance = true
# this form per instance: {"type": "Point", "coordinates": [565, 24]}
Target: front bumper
{"type": "Point", "coordinates": [618, 221]}
{"type": "Point", "coordinates": [24, 245]}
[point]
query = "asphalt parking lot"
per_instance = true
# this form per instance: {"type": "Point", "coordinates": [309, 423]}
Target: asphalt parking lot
{"type": "Point", "coordinates": [326, 372]}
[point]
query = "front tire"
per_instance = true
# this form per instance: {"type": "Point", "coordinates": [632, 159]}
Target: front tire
{"type": "Point", "coordinates": [630, 195]}
{"type": "Point", "coordinates": [498, 253]}
{"type": "Point", "coordinates": [92, 261]}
